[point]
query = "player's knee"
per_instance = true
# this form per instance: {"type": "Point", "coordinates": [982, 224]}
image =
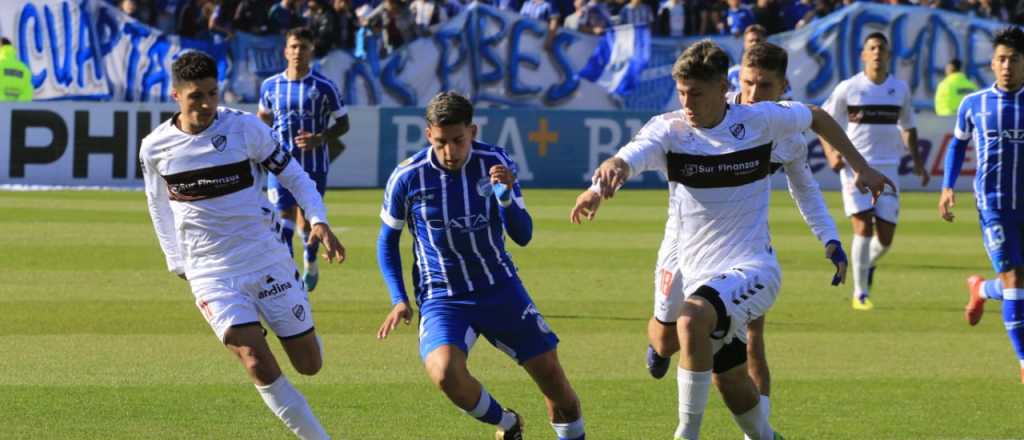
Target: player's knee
{"type": "Point", "coordinates": [447, 377]}
{"type": "Point", "coordinates": [256, 365]}
{"type": "Point", "coordinates": [698, 317]}
{"type": "Point", "coordinates": [308, 365]}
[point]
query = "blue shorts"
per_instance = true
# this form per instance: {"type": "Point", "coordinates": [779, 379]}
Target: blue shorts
{"type": "Point", "coordinates": [504, 314]}
{"type": "Point", "coordinates": [1001, 232]}
{"type": "Point", "coordinates": [283, 199]}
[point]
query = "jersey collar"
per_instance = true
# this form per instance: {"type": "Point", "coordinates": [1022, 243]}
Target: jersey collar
{"type": "Point", "coordinates": [437, 164]}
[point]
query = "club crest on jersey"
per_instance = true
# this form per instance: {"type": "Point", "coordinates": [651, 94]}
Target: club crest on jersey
{"type": "Point", "coordinates": [892, 92]}
{"type": "Point", "coordinates": [220, 142]}
{"type": "Point", "coordinates": [484, 187]}
{"type": "Point", "coordinates": [542, 325]}
{"type": "Point", "coordinates": [738, 131]}
{"type": "Point", "coordinates": [313, 94]}
{"type": "Point", "coordinates": [299, 311]}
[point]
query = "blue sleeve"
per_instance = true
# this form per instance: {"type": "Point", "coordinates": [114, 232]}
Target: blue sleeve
{"type": "Point", "coordinates": [958, 146]}
{"type": "Point", "coordinates": [518, 223]}
{"type": "Point", "coordinates": [393, 212]}
{"type": "Point", "coordinates": [390, 261]}
{"type": "Point", "coordinates": [265, 103]}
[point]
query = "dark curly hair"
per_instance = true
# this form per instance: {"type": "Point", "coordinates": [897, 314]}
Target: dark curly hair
{"type": "Point", "coordinates": [193, 66]}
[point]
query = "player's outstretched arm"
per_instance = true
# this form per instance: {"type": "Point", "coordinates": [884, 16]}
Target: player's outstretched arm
{"type": "Point", "coordinates": [866, 178]}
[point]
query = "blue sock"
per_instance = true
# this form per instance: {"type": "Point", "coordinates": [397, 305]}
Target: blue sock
{"type": "Point", "coordinates": [1013, 318]}
{"type": "Point", "coordinates": [992, 289]}
{"type": "Point", "coordinates": [570, 431]}
{"type": "Point", "coordinates": [309, 252]}
{"type": "Point", "coordinates": [287, 232]}
{"type": "Point", "coordinates": [487, 410]}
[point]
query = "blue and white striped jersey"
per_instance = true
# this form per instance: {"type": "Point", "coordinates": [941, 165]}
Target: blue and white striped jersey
{"type": "Point", "coordinates": [995, 119]}
{"type": "Point", "coordinates": [458, 232]}
{"type": "Point", "coordinates": [310, 104]}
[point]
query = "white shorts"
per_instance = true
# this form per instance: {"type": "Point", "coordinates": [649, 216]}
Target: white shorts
{"type": "Point", "coordinates": [668, 283]}
{"type": "Point", "coordinates": [747, 291]}
{"type": "Point", "coordinates": [274, 293]}
{"type": "Point", "coordinates": [888, 205]}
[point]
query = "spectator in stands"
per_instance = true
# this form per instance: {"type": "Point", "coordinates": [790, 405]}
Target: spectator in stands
{"type": "Point", "coordinates": [543, 11]}
{"type": "Point", "coordinates": [572, 21]}
{"type": "Point", "coordinates": [140, 11]}
{"type": "Point", "coordinates": [737, 18]}
{"type": "Point", "coordinates": [222, 21]}
{"type": "Point", "coordinates": [165, 14]}
{"type": "Point", "coordinates": [323, 23]}
{"type": "Point", "coordinates": [768, 14]}
{"type": "Point", "coordinates": [508, 5]}
{"type": "Point", "coordinates": [396, 24]}
{"type": "Point", "coordinates": [799, 11]}
{"type": "Point", "coordinates": [991, 9]}
{"type": "Point", "coordinates": [595, 18]}
{"type": "Point", "coordinates": [671, 21]}
{"type": "Point", "coordinates": [348, 24]}
{"type": "Point", "coordinates": [15, 78]}
{"type": "Point", "coordinates": [952, 89]}
{"type": "Point", "coordinates": [426, 13]}
{"type": "Point", "coordinates": [636, 13]}
{"type": "Point", "coordinates": [285, 15]}
{"type": "Point", "coordinates": [251, 16]}
{"type": "Point", "coordinates": [194, 19]}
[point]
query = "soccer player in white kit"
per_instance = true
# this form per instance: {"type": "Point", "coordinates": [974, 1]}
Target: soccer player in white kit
{"type": "Point", "coordinates": [875, 109]}
{"type": "Point", "coordinates": [718, 158]}
{"type": "Point", "coordinates": [204, 171]}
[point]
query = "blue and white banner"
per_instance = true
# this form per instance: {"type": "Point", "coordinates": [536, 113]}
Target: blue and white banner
{"type": "Point", "coordinates": [87, 49]}
{"type": "Point", "coordinates": [620, 58]}
{"type": "Point", "coordinates": [922, 39]}
{"type": "Point", "coordinates": [254, 58]}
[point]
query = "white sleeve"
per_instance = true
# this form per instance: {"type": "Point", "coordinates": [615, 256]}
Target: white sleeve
{"type": "Point", "coordinates": [807, 194]}
{"type": "Point", "coordinates": [265, 150]}
{"type": "Point", "coordinates": [646, 152]}
{"type": "Point", "coordinates": [836, 105]}
{"type": "Point", "coordinates": [786, 118]}
{"type": "Point", "coordinates": [908, 119]}
{"type": "Point", "coordinates": [159, 203]}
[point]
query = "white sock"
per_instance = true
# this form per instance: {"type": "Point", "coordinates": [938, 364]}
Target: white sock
{"type": "Point", "coordinates": [310, 267]}
{"type": "Point", "coordinates": [694, 387]}
{"type": "Point", "coordinates": [860, 252]}
{"type": "Point", "coordinates": [288, 405]}
{"type": "Point", "coordinates": [508, 420]}
{"type": "Point", "coordinates": [877, 251]}
{"type": "Point", "coordinates": [754, 423]}
{"type": "Point", "coordinates": [571, 430]}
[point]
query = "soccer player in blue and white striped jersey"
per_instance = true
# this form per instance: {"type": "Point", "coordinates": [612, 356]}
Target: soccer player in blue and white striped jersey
{"type": "Point", "coordinates": [459, 198]}
{"type": "Point", "coordinates": [307, 114]}
{"type": "Point", "coordinates": [994, 118]}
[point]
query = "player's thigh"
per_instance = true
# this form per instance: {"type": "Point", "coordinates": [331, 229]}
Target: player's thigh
{"type": "Point", "coordinates": [755, 340]}
{"type": "Point", "coordinates": [854, 202]}
{"type": "Point", "coordinates": [224, 304]}
{"type": "Point", "coordinates": [281, 300]}
{"type": "Point", "coordinates": [1002, 233]}
{"type": "Point", "coordinates": [511, 322]}
{"type": "Point", "coordinates": [746, 292]}
{"type": "Point", "coordinates": [446, 323]}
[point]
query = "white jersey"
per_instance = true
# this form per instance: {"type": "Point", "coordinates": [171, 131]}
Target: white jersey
{"type": "Point", "coordinates": [873, 115]}
{"type": "Point", "coordinates": [719, 181]}
{"type": "Point", "coordinates": [206, 199]}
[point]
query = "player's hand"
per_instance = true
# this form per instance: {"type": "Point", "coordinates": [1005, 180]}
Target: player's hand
{"type": "Point", "coordinates": [610, 176]}
{"type": "Point", "coordinates": [920, 171]}
{"type": "Point", "coordinates": [334, 252]}
{"type": "Point", "coordinates": [586, 206]}
{"type": "Point", "coordinates": [834, 251]}
{"type": "Point", "coordinates": [401, 312]}
{"type": "Point", "coordinates": [870, 180]}
{"type": "Point", "coordinates": [501, 174]}
{"type": "Point", "coordinates": [946, 203]}
{"type": "Point", "coordinates": [306, 140]}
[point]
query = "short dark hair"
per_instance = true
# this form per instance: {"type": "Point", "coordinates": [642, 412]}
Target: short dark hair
{"type": "Point", "coordinates": [956, 64]}
{"type": "Point", "coordinates": [193, 65]}
{"type": "Point", "coordinates": [767, 56]}
{"type": "Point", "coordinates": [449, 108]}
{"type": "Point", "coordinates": [301, 32]}
{"type": "Point", "coordinates": [877, 36]}
{"type": "Point", "coordinates": [703, 61]}
{"type": "Point", "coordinates": [1010, 36]}
{"type": "Point", "coordinates": [760, 30]}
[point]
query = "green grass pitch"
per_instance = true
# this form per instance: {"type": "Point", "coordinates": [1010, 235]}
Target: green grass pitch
{"type": "Point", "coordinates": [98, 341]}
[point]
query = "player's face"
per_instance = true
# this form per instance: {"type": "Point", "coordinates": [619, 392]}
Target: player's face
{"type": "Point", "coordinates": [1008, 67]}
{"type": "Point", "coordinates": [757, 84]}
{"type": "Point", "coordinates": [703, 102]}
{"type": "Point", "coordinates": [451, 143]}
{"type": "Point", "coordinates": [197, 101]}
{"type": "Point", "coordinates": [875, 55]}
{"type": "Point", "coordinates": [298, 52]}
{"type": "Point", "coordinates": [752, 38]}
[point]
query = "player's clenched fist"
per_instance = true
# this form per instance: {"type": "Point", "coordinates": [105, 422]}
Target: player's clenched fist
{"type": "Point", "coordinates": [501, 174]}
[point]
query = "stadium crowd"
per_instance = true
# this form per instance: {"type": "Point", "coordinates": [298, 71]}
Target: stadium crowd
{"type": "Point", "coordinates": [339, 24]}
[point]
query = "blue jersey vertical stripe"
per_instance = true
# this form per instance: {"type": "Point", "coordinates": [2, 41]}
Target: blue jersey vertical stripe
{"type": "Point", "coordinates": [306, 105]}
{"type": "Point", "coordinates": [997, 128]}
